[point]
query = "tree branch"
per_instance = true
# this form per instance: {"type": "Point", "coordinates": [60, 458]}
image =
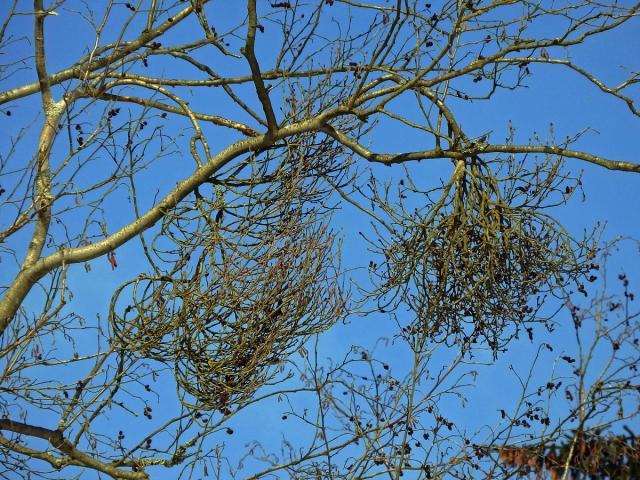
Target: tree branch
{"type": "Point", "coordinates": [393, 158]}
{"type": "Point", "coordinates": [248, 52]}
{"type": "Point", "coordinates": [79, 69]}
{"type": "Point", "coordinates": [57, 440]}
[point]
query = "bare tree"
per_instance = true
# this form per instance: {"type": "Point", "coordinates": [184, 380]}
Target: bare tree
{"type": "Point", "coordinates": [202, 153]}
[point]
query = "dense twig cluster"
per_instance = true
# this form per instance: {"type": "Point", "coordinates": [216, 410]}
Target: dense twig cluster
{"type": "Point", "coordinates": [470, 261]}
{"type": "Point", "coordinates": [245, 288]}
{"type": "Point", "coordinates": [589, 456]}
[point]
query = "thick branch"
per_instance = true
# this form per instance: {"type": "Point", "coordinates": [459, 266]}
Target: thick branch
{"type": "Point", "coordinates": [52, 113]}
{"type": "Point", "coordinates": [57, 440]}
{"type": "Point", "coordinates": [55, 462]}
{"type": "Point", "coordinates": [563, 152]}
{"type": "Point", "coordinates": [460, 154]}
{"type": "Point", "coordinates": [248, 52]}
{"type": "Point", "coordinates": [16, 293]}
{"type": "Point", "coordinates": [43, 78]}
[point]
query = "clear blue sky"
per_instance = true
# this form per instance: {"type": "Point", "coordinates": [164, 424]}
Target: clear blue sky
{"type": "Point", "coordinates": [552, 95]}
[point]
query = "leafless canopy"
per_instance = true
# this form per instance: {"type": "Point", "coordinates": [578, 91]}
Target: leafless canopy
{"type": "Point", "coordinates": [183, 185]}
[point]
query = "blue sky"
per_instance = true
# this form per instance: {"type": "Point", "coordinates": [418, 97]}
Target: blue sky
{"type": "Point", "coordinates": [552, 95]}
